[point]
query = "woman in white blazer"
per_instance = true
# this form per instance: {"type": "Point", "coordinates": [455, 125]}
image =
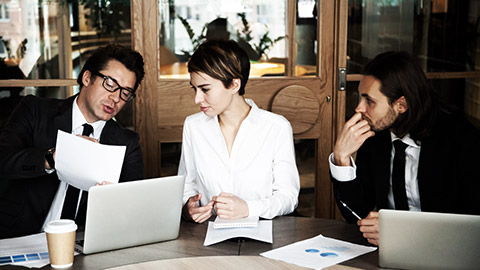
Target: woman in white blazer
{"type": "Point", "coordinates": [238, 160]}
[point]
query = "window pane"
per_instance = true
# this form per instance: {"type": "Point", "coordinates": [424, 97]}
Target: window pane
{"type": "Point", "coordinates": [31, 37]}
{"type": "Point", "coordinates": [257, 25]}
{"type": "Point", "coordinates": [35, 41]}
{"type": "Point", "coordinates": [97, 23]}
{"type": "Point", "coordinates": [52, 39]}
{"type": "Point", "coordinates": [443, 35]}
{"type": "Point", "coordinates": [306, 38]}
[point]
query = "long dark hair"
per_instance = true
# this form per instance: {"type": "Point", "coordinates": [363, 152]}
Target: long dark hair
{"type": "Point", "coordinates": [222, 60]}
{"type": "Point", "coordinates": [400, 75]}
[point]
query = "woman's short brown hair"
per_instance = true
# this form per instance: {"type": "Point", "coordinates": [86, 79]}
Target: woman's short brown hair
{"type": "Point", "coordinates": [221, 60]}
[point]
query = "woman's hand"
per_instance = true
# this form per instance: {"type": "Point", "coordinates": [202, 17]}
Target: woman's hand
{"type": "Point", "coordinates": [229, 206]}
{"type": "Point", "coordinates": [192, 211]}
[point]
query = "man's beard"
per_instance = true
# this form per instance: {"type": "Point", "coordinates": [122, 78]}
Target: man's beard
{"type": "Point", "coordinates": [387, 122]}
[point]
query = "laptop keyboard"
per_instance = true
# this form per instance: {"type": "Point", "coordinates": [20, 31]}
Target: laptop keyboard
{"type": "Point", "coordinates": [79, 246]}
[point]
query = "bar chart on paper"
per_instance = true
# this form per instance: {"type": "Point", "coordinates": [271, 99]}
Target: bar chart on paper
{"type": "Point", "coordinates": [18, 258]}
{"type": "Point", "coordinates": [30, 251]}
{"type": "Point", "coordinates": [317, 252]}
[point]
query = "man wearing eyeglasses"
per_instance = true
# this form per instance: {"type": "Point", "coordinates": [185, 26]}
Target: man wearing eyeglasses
{"type": "Point", "coordinates": [34, 195]}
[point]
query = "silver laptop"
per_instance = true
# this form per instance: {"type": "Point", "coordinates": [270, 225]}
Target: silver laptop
{"type": "Point", "coordinates": [423, 240]}
{"type": "Point", "coordinates": [132, 213]}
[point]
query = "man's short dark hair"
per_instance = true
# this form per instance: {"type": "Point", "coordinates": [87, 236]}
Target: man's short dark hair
{"type": "Point", "coordinates": [222, 60]}
{"type": "Point", "coordinates": [400, 75]}
{"type": "Point", "coordinates": [98, 61]}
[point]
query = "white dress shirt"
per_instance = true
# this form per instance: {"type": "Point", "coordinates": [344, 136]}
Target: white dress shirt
{"type": "Point", "coordinates": [261, 168]}
{"type": "Point", "coordinates": [412, 155]}
{"type": "Point", "coordinates": [77, 128]}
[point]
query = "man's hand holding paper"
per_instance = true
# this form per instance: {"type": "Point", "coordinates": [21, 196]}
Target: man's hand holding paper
{"type": "Point", "coordinates": [83, 163]}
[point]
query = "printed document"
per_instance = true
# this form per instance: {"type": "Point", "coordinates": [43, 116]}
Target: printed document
{"type": "Point", "coordinates": [318, 252]}
{"type": "Point", "coordinates": [83, 163]}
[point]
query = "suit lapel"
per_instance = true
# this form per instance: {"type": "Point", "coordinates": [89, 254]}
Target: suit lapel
{"type": "Point", "coordinates": [63, 121]}
{"type": "Point", "coordinates": [429, 151]}
{"type": "Point", "coordinates": [109, 132]}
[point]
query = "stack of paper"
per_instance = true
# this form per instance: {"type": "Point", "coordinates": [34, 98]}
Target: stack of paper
{"type": "Point", "coordinates": [261, 232]}
{"type": "Point", "coordinates": [235, 223]}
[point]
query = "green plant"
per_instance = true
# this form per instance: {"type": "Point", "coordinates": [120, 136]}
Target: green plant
{"type": "Point", "coordinates": [246, 33]}
{"type": "Point", "coordinates": [265, 42]}
{"type": "Point", "coordinates": [107, 16]}
{"type": "Point", "coordinates": [196, 40]}
{"type": "Point", "coordinates": [244, 37]}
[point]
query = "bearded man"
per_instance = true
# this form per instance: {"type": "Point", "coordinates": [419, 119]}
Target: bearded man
{"type": "Point", "coordinates": [413, 152]}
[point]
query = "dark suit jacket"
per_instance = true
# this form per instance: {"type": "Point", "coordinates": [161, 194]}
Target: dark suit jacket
{"type": "Point", "coordinates": [448, 178]}
{"type": "Point", "coordinates": [31, 130]}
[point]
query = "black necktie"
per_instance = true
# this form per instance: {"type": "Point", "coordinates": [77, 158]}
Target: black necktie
{"type": "Point", "coordinates": [398, 176]}
{"type": "Point", "coordinates": [87, 130]}
{"type": "Point", "coordinates": [71, 198]}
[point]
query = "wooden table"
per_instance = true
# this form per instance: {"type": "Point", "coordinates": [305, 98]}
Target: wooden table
{"type": "Point", "coordinates": [286, 230]}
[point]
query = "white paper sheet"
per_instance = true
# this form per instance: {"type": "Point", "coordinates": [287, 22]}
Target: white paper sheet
{"type": "Point", "coordinates": [220, 223]}
{"type": "Point", "coordinates": [83, 163]}
{"type": "Point", "coordinates": [261, 233]}
{"type": "Point", "coordinates": [318, 252]}
{"type": "Point", "coordinates": [30, 251]}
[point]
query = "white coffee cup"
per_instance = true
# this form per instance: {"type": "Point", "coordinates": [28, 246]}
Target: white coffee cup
{"type": "Point", "coordinates": [61, 242]}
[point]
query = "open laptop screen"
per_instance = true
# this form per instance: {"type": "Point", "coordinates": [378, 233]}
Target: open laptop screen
{"type": "Point", "coordinates": [133, 213]}
{"type": "Point", "coordinates": [423, 240]}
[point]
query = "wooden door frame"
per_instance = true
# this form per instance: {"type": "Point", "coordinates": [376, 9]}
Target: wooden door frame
{"type": "Point", "coordinates": [331, 36]}
{"type": "Point", "coordinates": [341, 23]}
{"type": "Point", "coordinates": [144, 14]}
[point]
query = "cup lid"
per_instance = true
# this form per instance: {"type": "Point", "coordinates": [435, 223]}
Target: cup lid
{"type": "Point", "coordinates": [61, 226]}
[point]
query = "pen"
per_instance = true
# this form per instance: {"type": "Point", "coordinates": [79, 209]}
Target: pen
{"type": "Point", "coordinates": [351, 211]}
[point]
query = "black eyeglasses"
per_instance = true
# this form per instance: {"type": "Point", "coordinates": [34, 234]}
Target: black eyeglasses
{"type": "Point", "coordinates": [111, 85]}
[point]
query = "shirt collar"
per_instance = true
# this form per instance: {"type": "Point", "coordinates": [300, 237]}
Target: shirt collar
{"type": "Point", "coordinates": [250, 116]}
{"type": "Point", "coordinates": [78, 120]}
{"type": "Point", "coordinates": [253, 110]}
{"type": "Point", "coordinates": [406, 139]}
